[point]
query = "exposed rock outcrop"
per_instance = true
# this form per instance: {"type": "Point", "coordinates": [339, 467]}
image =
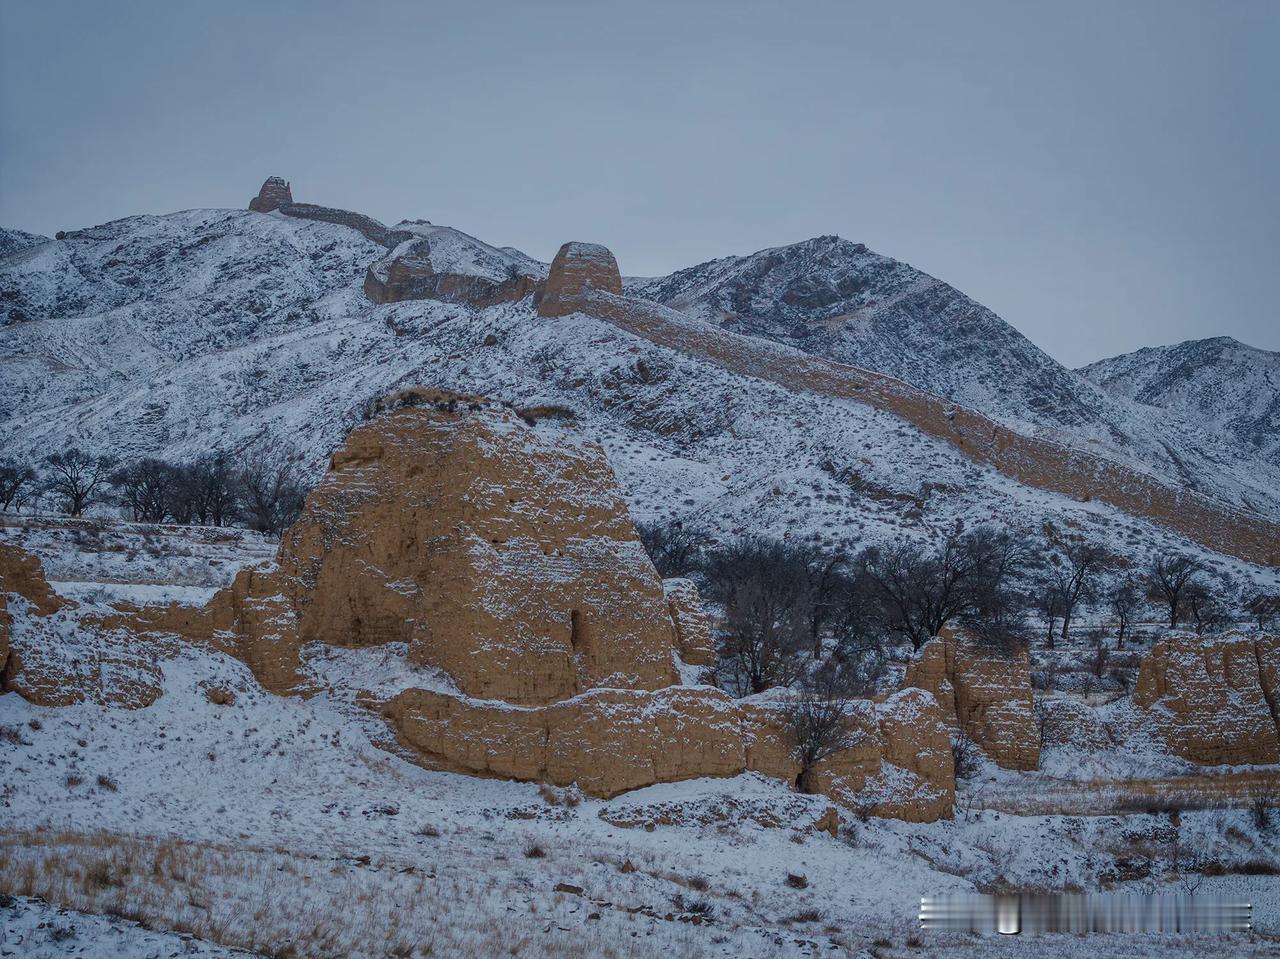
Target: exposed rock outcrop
{"type": "Point", "coordinates": [502, 554]}
{"type": "Point", "coordinates": [22, 574]}
{"type": "Point", "coordinates": [51, 656]}
{"type": "Point", "coordinates": [578, 270]}
{"type": "Point", "coordinates": [610, 741]}
{"type": "Point", "coordinates": [367, 225]}
{"type": "Point", "coordinates": [694, 639]}
{"type": "Point", "coordinates": [440, 263]}
{"type": "Point", "coordinates": [1214, 699]}
{"type": "Point", "coordinates": [21, 577]}
{"type": "Point", "coordinates": [984, 693]}
{"type": "Point", "coordinates": [274, 194]}
{"type": "Point", "coordinates": [607, 741]}
{"type": "Point", "coordinates": [899, 767]}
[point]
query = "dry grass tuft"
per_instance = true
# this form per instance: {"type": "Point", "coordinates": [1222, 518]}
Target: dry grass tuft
{"type": "Point", "coordinates": [278, 903]}
{"type": "Point", "coordinates": [220, 695]}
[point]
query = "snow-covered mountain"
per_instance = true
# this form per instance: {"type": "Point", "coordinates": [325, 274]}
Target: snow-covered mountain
{"type": "Point", "coordinates": [1220, 384]}
{"type": "Point", "coordinates": [11, 241]}
{"type": "Point", "coordinates": [222, 329]}
{"type": "Point", "coordinates": [838, 299]}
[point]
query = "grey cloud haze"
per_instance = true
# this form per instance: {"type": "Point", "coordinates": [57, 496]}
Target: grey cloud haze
{"type": "Point", "coordinates": [1102, 175]}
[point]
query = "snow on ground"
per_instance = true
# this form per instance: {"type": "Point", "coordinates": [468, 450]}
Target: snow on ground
{"type": "Point", "coordinates": [105, 560]}
{"type": "Point", "coordinates": [307, 817]}
{"type": "Point", "coordinates": [274, 822]}
{"type": "Point", "coordinates": [35, 929]}
{"type": "Point", "coordinates": [214, 329]}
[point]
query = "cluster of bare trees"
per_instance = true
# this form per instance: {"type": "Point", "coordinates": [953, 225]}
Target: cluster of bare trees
{"type": "Point", "coordinates": [819, 623]}
{"type": "Point", "coordinates": [260, 489]}
{"type": "Point", "coordinates": [782, 600]}
{"type": "Point", "coordinates": [1175, 583]}
{"type": "Point", "coordinates": [788, 607]}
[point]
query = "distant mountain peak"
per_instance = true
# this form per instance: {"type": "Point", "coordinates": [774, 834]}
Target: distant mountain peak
{"type": "Point", "coordinates": [1226, 387]}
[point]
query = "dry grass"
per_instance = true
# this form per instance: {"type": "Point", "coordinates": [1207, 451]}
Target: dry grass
{"type": "Point", "coordinates": [220, 695]}
{"type": "Point", "coordinates": [283, 904]}
{"type": "Point", "coordinates": [795, 881]}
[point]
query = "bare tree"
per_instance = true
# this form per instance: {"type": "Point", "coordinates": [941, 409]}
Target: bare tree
{"type": "Point", "coordinates": [1263, 607]}
{"type": "Point", "coordinates": [270, 494]}
{"type": "Point", "coordinates": [1101, 655]}
{"type": "Point", "coordinates": [1047, 602]}
{"type": "Point", "coordinates": [828, 590]}
{"type": "Point", "coordinates": [1167, 578]}
{"type": "Point", "coordinates": [674, 548]}
{"type": "Point", "coordinates": [1072, 568]}
{"type": "Point", "coordinates": [857, 621]}
{"type": "Point", "coordinates": [996, 613]}
{"type": "Point", "coordinates": [1124, 599]}
{"type": "Point", "coordinates": [16, 478]}
{"type": "Point", "coordinates": [206, 492]}
{"type": "Point", "coordinates": [1263, 807]}
{"type": "Point", "coordinates": [764, 589]}
{"type": "Point", "coordinates": [922, 592]}
{"type": "Point", "coordinates": [819, 718]}
{"type": "Point", "coordinates": [1204, 608]}
{"type": "Point", "coordinates": [966, 757]}
{"type": "Point", "coordinates": [77, 478]}
{"type": "Point", "coordinates": [184, 495]}
{"type": "Point", "coordinates": [146, 488]}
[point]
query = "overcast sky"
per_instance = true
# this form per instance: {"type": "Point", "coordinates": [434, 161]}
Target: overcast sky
{"type": "Point", "coordinates": [1105, 176]}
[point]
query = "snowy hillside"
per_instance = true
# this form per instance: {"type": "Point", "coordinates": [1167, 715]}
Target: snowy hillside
{"type": "Point", "coordinates": [12, 241]}
{"type": "Point", "coordinates": [220, 329]}
{"type": "Point", "coordinates": [283, 826]}
{"type": "Point", "coordinates": [1221, 385]}
{"type": "Point", "coordinates": [220, 816]}
{"type": "Point", "coordinates": [840, 300]}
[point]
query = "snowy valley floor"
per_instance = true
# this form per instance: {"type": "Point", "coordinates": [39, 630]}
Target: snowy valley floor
{"type": "Point", "coordinates": [276, 826]}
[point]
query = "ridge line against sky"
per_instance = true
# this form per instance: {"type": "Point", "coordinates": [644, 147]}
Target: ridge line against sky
{"type": "Point", "coordinates": [1103, 176]}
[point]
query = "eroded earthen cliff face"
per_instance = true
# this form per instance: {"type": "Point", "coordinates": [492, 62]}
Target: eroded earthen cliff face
{"type": "Point", "coordinates": [502, 554]}
{"type": "Point", "coordinates": [986, 694]}
{"type": "Point", "coordinates": [22, 574]}
{"type": "Point", "coordinates": [1214, 699]}
{"type": "Point", "coordinates": [52, 656]}
{"type": "Point", "coordinates": [499, 552]}
{"type": "Point", "coordinates": [609, 741]}
{"type": "Point", "coordinates": [448, 265]}
{"type": "Point", "coordinates": [694, 639]}
{"type": "Point", "coordinates": [274, 194]}
{"type": "Point", "coordinates": [577, 271]}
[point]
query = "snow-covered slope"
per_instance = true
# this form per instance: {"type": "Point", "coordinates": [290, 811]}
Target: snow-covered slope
{"type": "Point", "coordinates": [1220, 385]}
{"type": "Point", "coordinates": [282, 825]}
{"type": "Point", "coordinates": [222, 329]}
{"type": "Point", "coordinates": [840, 300]}
{"type": "Point", "coordinates": [13, 241]}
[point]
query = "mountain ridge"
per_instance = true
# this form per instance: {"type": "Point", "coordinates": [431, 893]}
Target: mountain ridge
{"type": "Point", "coordinates": [1229, 386]}
{"type": "Point", "coordinates": [217, 326]}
